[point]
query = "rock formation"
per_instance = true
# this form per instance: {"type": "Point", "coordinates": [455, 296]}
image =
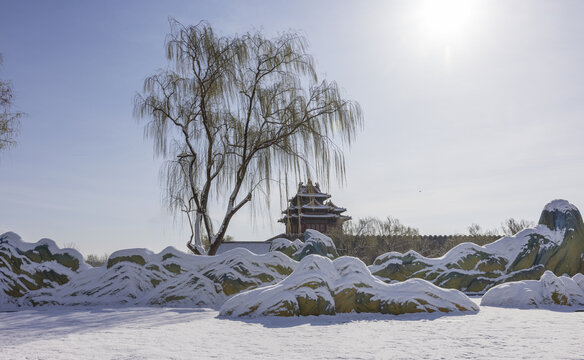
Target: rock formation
{"type": "Point", "coordinates": [556, 244]}
{"type": "Point", "coordinates": [25, 267]}
{"type": "Point", "coordinates": [40, 274]}
{"type": "Point", "coordinates": [248, 284]}
{"type": "Point", "coordinates": [568, 258]}
{"type": "Point", "coordinates": [319, 286]}
{"type": "Point", "coordinates": [315, 243]}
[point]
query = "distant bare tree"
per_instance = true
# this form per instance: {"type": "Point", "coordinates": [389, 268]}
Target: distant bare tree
{"type": "Point", "coordinates": [364, 226]}
{"type": "Point", "coordinates": [96, 260]}
{"type": "Point", "coordinates": [9, 119]}
{"type": "Point", "coordinates": [393, 227]}
{"type": "Point", "coordinates": [476, 230]}
{"type": "Point", "coordinates": [233, 113]}
{"type": "Point", "coordinates": [511, 226]}
{"type": "Point", "coordinates": [376, 227]}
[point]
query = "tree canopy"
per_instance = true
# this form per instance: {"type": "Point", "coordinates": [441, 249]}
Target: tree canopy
{"type": "Point", "coordinates": [231, 114]}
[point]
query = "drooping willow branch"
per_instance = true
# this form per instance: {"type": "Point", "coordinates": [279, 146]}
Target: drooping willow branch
{"type": "Point", "coordinates": [232, 113]}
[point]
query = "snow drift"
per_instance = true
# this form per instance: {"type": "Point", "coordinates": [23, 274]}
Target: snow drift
{"type": "Point", "coordinates": [556, 244]}
{"type": "Point", "coordinates": [550, 291]}
{"type": "Point", "coordinates": [319, 286]}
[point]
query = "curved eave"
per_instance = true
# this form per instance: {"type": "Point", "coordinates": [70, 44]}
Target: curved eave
{"type": "Point", "coordinates": [309, 207]}
{"type": "Point", "coordinates": [314, 216]}
{"type": "Point", "coordinates": [294, 209]}
{"type": "Point", "coordinates": [310, 196]}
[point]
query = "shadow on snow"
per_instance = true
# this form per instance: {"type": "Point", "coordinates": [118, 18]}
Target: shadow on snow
{"type": "Point", "coordinates": [344, 318]}
{"type": "Point", "coordinates": [57, 321]}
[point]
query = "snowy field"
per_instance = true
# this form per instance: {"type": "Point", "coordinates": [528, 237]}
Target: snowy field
{"type": "Point", "coordinates": [174, 333]}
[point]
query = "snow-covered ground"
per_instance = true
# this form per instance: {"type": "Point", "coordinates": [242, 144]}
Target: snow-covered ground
{"type": "Point", "coordinates": [172, 333]}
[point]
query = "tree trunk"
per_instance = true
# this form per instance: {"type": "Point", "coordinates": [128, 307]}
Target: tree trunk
{"type": "Point", "coordinates": [215, 246]}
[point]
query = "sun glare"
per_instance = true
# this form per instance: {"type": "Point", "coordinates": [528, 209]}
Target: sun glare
{"type": "Point", "coordinates": [445, 21]}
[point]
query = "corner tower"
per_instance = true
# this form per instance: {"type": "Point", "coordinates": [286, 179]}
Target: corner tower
{"type": "Point", "coordinates": [310, 208]}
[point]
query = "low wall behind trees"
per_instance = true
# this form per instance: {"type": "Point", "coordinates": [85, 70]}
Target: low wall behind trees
{"type": "Point", "coordinates": [368, 247]}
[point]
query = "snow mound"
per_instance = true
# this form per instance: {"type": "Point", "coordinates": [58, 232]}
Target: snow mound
{"type": "Point", "coordinates": [556, 244]}
{"type": "Point", "coordinates": [25, 267]}
{"type": "Point", "coordinates": [549, 291]}
{"type": "Point", "coordinates": [315, 243]}
{"type": "Point", "coordinates": [319, 286]}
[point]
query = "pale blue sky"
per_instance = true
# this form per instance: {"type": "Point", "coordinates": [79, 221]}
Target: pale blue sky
{"type": "Point", "coordinates": [473, 111]}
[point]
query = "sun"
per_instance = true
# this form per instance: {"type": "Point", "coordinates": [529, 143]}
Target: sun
{"type": "Point", "coordinates": [445, 21]}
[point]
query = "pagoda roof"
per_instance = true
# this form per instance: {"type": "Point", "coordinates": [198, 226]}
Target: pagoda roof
{"type": "Point", "coordinates": [310, 207]}
{"type": "Point", "coordinates": [319, 216]}
{"type": "Point", "coordinates": [310, 190]}
{"type": "Point", "coordinates": [326, 207]}
{"type": "Point", "coordinates": [315, 195]}
{"type": "Point", "coordinates": [311, 204]}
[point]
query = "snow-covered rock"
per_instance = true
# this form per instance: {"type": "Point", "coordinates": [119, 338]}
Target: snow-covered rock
{"type": "Point", "coordinates": [187, 289]}
{"type": "Point", "coordinates": [560, 206]}
{"type": "Point", "coordinates": [556, 244]}
{"type": "Point", "coordinates": [239, 269]}
{"type": "Point", "coordinates": [30, 266]}
{"type": "Point", "coordinates": [286, 246]}
{"type": "Point", "coordinates": [549, 291]}
{"type": "Point", "coordinates": [131, 276]}
{"type": "Point", "coordinates": [568, 258]}
{"type": "Point", "coordinates": [319, 286]}
{"type": "Point", "coordinates": [315, 243]}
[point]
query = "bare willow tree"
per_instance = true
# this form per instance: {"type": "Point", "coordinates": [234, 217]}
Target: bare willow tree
{"type": "Point", "coordinates": [9, 119]}
{"type": "Point", "coordinates": [230, 114]}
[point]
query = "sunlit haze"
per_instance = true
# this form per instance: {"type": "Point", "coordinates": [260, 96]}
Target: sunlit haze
{"type": "Point", "coordinates": [473, 112]}
{"type": "Point", "coordinates": [446, 21]}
